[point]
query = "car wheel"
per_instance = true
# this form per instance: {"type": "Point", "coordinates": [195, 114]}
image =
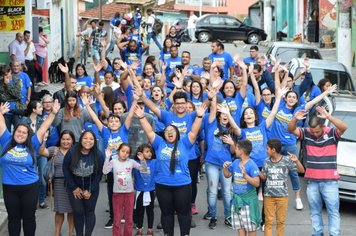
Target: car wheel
{"type": "Point", "coordinates": [203, 37]}
{"type": "Point", "coordinates": [253, 38]}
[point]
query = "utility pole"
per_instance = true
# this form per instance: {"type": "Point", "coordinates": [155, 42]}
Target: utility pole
{"type": "Point", "coordinates": [344, 47]}
{"type": "Point", "coordinates": [100, 10]}
{"type": "Point", "coordinates": [267, 19]}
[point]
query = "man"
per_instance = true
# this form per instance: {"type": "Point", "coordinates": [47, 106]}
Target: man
{"type": "Point", "coordinates": [150, 34]}
{"type": "Point", "coordinates": [284, 32]}
{"type": "Point", "coordinates": [17, 49]}
{"type": "Point", "coordinates": [30, 56]}
{"type": "Point", "coordinates": [132, 53]}
{"type": "Point", "coordinates": [113, 24]}
{"type": "Point", "coordinates": [191, 26]}
{"type": "Point", "coordinates": [204, 71]}
{"type": "Point", "coordinates": [96, 37]}
{"type": "Point", "coordinates": [171, 65]}
{"type": "Point", "coordinates": [223, 59]}
{"type": "Point", "coordinates": [321, 168]}
{"type": "Point", "coordinates": [253, 55]}
{"type": "Point", "coordinates": [187, 69]}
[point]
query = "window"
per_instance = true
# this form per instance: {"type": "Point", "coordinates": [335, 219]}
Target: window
{"type": "Point", "coordinates": [216, 20]}
{"type": "Point", "coordinates": [231, 22]}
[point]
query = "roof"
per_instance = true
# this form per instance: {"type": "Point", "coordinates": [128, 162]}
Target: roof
{"type": "Point", "coordinates": [108, 11]}
{"type": "Point", "coordinates": [293, 45]}
{"type": "Point", "coordinates": [167, 7]}
{"type": "Point", "coordinates": [322, 64]}
{"type": "Point", "coordinates": [137, 2]}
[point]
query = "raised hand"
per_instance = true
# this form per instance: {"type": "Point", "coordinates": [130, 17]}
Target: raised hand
{"type": "Point", "coordinates": [85, 99]}
{"type": "Point", "coordinates": [56, 106]}
{"type": "Point", "coordinates": [282, 91]}
{"type": "Point", "coordinates": [322, 112]}
{"type": "Point", "coordinates": [332, 88]}
{"type": "Point", "coordinates": [227, 139]}
{"type": "Point", "coordinates": [178, 83]}
{"type": "Point", "coordinates": [306, 63]}
{"type": "Point", "coordinates": [98, 66]}
{"type": "Point", "coordinates": [301, 114]}
{"type": "Point", "coordinates": [293, 157]}
{"type": "Point", "coordinates": [140, 156]}
{"type": "Point", "coordinates": [201, 110]}
{"type": "Point", "coordinates": [241, 63]}
{"type": "Point", "coordinates": [138, 111]}
{"type": "Point", "coordinates": [108, 153]}
{"type": "Point", "coordinates": [97, 89]}
{"type": "Point", "coordinates": [164, 66]}
{"type": "Point", "coordinates": [135, 64]}
{"type": "Point", "coordinates": [223, 109]}
{"type": "Point", "coordinates": [227, 164]}
{"type": "Point", "coordinates": [4, 108]}
{"type": "Point", "coordinates": [63, 68]}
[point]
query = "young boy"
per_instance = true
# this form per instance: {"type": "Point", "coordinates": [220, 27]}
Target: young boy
{"type": "Point", "coordinates": [245, 212]}
{"type": "Point", "coordinates": [275, 172]}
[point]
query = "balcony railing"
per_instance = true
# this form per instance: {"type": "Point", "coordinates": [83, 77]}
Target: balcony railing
{"type": "Point", "coordinates": [204, 3]}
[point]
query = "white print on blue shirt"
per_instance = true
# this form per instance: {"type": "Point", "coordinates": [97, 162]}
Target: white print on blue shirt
{"type": "Point", "coordinates": [182, 126]}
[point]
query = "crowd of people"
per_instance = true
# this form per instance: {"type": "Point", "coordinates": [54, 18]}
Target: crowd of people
{"type": "Point", "coordinates": [149, 127]}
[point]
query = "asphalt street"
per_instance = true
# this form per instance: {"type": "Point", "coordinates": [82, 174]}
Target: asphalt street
{"type": "Point", "coordinates": [297, 223]}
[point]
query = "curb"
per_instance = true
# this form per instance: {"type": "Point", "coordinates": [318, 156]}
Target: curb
{"type": "Point", "coordinates": [3, 218]}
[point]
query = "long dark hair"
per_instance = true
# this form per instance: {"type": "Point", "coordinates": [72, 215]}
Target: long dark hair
{"type": "Point", "coordinates": [200, 93]}
{"type": "Point", "coordinates": [223, 86]}
{"type": "Point", "coordinates": [32, 105]}
{"type": "Point", "coordinates": [242, 120]}
{"type": "Point", "coordinates": [142, 147]}
{"type": "Point", "coordinates": [83, 67]}
{"type": "Point", "coordinates": [172, 164]}
{"type": "Point", "coordinates": [76, 109]}
{"type": "Point", "coordinates": [296, 104]}
{"type": "Point", "coordinates": [27, 143]}
{"type": "Point", "coordinates": [77, 152]}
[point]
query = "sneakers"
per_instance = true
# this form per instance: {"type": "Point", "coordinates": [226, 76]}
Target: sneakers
{"type": "Point", "coordinates": [159, 226]}
{"type": "Point", "coordinates": [212, 223]}
{"type": "Point", "coordinates": [194, 209]}
{"type": "Point", "coordinates": [193, 224]}
{"type": "Point", "coordinates": [207, 216]}
{"type": "Point", "coordinates": [263, 228]}
{"type": "Point", "coordinates": [227, 222]}
{"type": "Point", "coordinates": [298, 204]}
{"type": "Point", "coordinates": [122, 221]}
{"type": "Point", "coordinates": [109, 224]}
{"type": "Point", "coordinates": [43, 206]}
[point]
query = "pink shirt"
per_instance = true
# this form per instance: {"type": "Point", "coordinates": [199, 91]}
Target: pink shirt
{"type": "Point", "coordinates": [41, 47]}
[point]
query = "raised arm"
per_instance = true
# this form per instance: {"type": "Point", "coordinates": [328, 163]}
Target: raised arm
{"type": "Point", "coordinates": [151, 105]}
{"type": "Point", "coordinates": [292, 126]}
{"type": "Point", "coordinates": [147, 128]}
{"type": "Point", "coordinates": [64, 69]}
{"type": "Point", "coordinates": [92, 114]}
{"type": "Point", "coordinates": [244, 77]}
{"type": "Point", "coordinates": [131, 113]}
{"type": "Point", "coordinates": [4, 108]}
{"type": "Point", "coordinates": [48, 121]}
{"type": "Point", "coordinates": [311, 103]}
{"type": "Point", "coordinates": [339, 124]}
{"type": "Point", "coordinates": [107, 167]}
{"type": "Point", "coordinates": [272, 115]}
{"type": "Point", "coordinates": [193, 134]}
{"type": "Point", "coordinates": [256, 88]}
{"type": "Point", "coordinates": [100, 99]}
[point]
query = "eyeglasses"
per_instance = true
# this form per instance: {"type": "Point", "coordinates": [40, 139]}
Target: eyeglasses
{"type": "Point", "coordinates": [172, 131]}
{"type": "Point", "coordinates": [116, 63]}
{"type": "Point", "coordinates": [265, 95]}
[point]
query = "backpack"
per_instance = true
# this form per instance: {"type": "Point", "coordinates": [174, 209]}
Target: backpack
{"type": "Point", "coordinates": [157, 26]}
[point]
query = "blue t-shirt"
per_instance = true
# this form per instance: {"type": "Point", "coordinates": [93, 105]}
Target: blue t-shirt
{"type": "Point", "coordinates": [163, 152]}
{"type": "Point", "coordinates": [217, 151]}
{"type": "Point", "coordinates": [85, 81]}
{"type": "Point", "coordinates": [197, 101]}
{"type": "Point", "coordinates": [263, 110]}
{"type": "Point", "coordinates": [172, 63]}
{"type": "Point", "coordinates": [163, 56]}
{"type": "Point", "coordinates": [199, 71]}
{"type": "Point", "coordinates": [184, 124]}
{"type": "Point", "coordinates": [53, 137]}
{"type": "Point", "coordinates": [158, 123]}
{"type": "Point", "coordinates": [102, 73]}
{"type": "Point", "coordinates": [235, 106]}
{"type": "Point", "coordinates": [258, 137]}
{"type": "Point", "coordinates": [225, 60]}
{"type": "Point", "coordinates": [279, 128]}
{"type": "Point", "coordinates": [26, 84]}
{"type": "Point", "coordinates": [239, 183]}
{"type": "Point", "coordinates": [114, 140]}
{"type": "Point", "coordinates": [249, 60]}
{"type": "Point", "coordinates": [17, 164]}
{"type": "Point", "coordinates": [145, 182]}
{"type": "Point", "coordinates": [132, 56]}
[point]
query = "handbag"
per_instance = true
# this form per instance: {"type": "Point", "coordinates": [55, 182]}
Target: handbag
{"type": "Point", "coordinates": [49, 174]}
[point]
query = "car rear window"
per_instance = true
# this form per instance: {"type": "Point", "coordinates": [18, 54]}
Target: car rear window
{"type": "Point", "coordinates": [350, 119]}
{"type": "Point", "coordinates": [216, 20]}
{"type": "Point", "coordinates": [287, 54]}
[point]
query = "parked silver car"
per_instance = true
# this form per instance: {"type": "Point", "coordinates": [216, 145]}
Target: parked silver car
{"type": "Point", "coordinates": [286, 51]}
{"type": "Point", "coordinates": [336, 72]}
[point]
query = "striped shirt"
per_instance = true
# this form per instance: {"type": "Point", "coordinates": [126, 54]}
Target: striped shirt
{"type": "Point", "coordinates": [321, 154]}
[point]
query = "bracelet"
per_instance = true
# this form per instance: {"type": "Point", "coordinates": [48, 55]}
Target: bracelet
{"type": "Point", "coordinates": [141, 117]}
{"type": "Point", "coordinates": [178, 88]}
{"type": "Point", "coordinates": [210, 99]}
{"type": "Point", "coordinates": [199, 116]}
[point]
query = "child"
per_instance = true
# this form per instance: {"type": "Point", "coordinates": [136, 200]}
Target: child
{"type": "Point", "coordinates": [145, 187]}
{"type": "Point", "coordinates": [245, 212]}
{"type": "Point", "coordinates": [275, 172]}
{"type": "Point", "coordinates": [123, 197]}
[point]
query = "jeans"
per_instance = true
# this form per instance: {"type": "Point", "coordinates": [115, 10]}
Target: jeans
{"type": "Point", "coordinates": [21, 202]}
{"type": "Point", "coordinates": [96, 55]}
{"type": "Point", "coordinates": [327, 191]}
{"type": "Point", "coordinates": [275, 206]}
{"type": "Point", "coordinates": [84, 213]}
{"type": "Point", "coordinates": [293, 175]}
{"type": "Point", "coordinates": [154, 37]}
{"type": "Point", "coordinates": [40, 60]}
{"type": "Point", "coordinates": [111, 47]}
{"type": "Point", "coordinates": [214, 173]}
{"type": "Point", "coordinates": [123, 204]}
{"type": "Point", "coordinates": [175, 199]}
{"type": "Point", "coordinates": [41, 163]}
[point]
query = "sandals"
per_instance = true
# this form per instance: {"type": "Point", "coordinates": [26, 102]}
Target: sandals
{"type": "Point", "coordinates": [139, 232]}
{"type": "Point", "coordinates": [149, 232]}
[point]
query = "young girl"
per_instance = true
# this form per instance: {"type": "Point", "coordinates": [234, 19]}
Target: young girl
{"type": "Point", "coordinates": [145, 189]}
{"type": "Point", "coordinates": [123, 196]}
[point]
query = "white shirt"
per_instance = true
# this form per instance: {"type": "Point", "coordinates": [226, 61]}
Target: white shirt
{"type": "Point", "coordinates": [191, 21]}
{"type": "Point", "coordinates": [150, 22]}
{"type": "Point", "coordinates": [31, 50]}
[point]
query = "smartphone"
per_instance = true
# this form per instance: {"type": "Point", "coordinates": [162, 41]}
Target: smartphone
{"type": "Point", "coordinates": [180, 67]}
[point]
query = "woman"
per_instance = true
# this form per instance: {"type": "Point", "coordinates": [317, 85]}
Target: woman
{"type": "Point", "coordinates": [19, 175]}
{"type": "Point", "coordinates": [71, 117]}
{"type": "Point", "coordinates": [82, 170]}
{"type": "Point", "coordinates": [118, 108]}
{"type": "Point", "coordinates": [117, 68]}
{"type": "Point", "coordinates": [173, 182]}
{"type": "Point", "coordinates": [41, 47]}
{"type": "Point", "coordinates": [172, 35]}
{"type": "Point", "coordinates": [165, 52]}
{"type": "Point", "coordinates": [83, 79]}
{"type": "Point", "coordinates": [152, 59]}
{"type": "Point", "coordinates": [196, 93]}
{"type": "Point", "coordinates": [61, 200]}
